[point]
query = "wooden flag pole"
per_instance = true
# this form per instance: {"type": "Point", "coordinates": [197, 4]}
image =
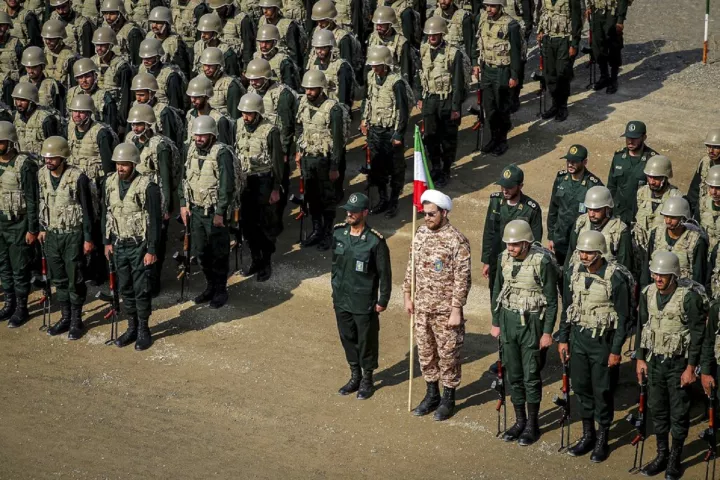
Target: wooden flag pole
{"type": "Point", "coordinates": [412, 316]}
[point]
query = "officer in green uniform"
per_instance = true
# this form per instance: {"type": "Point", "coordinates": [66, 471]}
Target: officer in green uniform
{"type": "Point", "coordinates": [50, 93]}
{"type": "Point", "coordinates": [131, 224]}
{"type": "Point", "coordinates": [567, 200]}
{"type": "Point", "coordinates": [284, 69]}
{"type": "Point", "coordinates": [607, 20]}
{"type": "Point", "coordinates": [506, 205]}
{"type": "Point", "coordinates": [361, 288]}
{"type": "Point", "coordinates": [67, 219]}
{"type": "Point", "coordinates": [170, 119]}
{"type": "Point", "coordinates": [169, 77]}
{"type": "Point", "coordinates": [524, 305]}
{"type": "Point", "coordinates": [128, 33]}
{"type": "Point", "coordinates": [161, 28]}
{"type": "Point", "coordinates": [114, 71]}
{"type": "Point", "coordinates": [667, 348]}
{"type": "Point", "coordinates": [208, 194]}
{"type": "Point", "coordinates": [186, 14]}
{"type": "Point", "coordinates": [595, 317]}
{"type": "Point", "coordinates": [11, 49]}
{"type": "Point", "coordinates": [385, 34]}
{"type": "Point", "coordinates": [698, 190]}
{"type": "Point", "coordinates": [33, 123]}
{"type": "Point", "coordinates": [200, 91]}
{"type": "Point", "coordinates": [257, 143]}
{"type": "Point", "coordinates": [627, 170]}
{"type": "Point", "coordinates": [79, 26]}
{"type": "Point", "coordinates": [19, 224]}
{"type": "Point", "coordinates": [410, 20]}
{"type": "Point", "coordinates": [227, 89]}
{"type": "Point", "coordinates": [106, 108]}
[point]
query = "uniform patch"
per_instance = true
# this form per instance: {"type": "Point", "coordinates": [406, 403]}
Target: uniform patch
{"type": "Point", "coordinates": [631, 127]}
{"type": "Point", "coordinates": [359, 266]}
{"type": "Point", "coordinates": [573, 150]}
{"type": "Point", "coordinates": [506, 174]}
{"type": "Point", "coordinates": [438, 265]}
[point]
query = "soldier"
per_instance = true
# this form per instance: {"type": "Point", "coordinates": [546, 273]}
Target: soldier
{"type": "Point", "coordinates": [337, 70]}
{"type": "Point", "coordinates": [25, 22]}
{"type": "Point", "coordinates": [599, 217]}
{"type": "Point", "coordinates": [385, 34]}
{"type": "Point", "coordinates": [252, 8]}
{"type": "Point", "coordinates": [67, 219]}
{"type": "Point", "coordinates": [567, 200]}
{"type": "Point", "coordinates": [10, 55]}
{"type": "Point", "coordinates": [410, 20]}
{"type": "Point", "coordinates": [290, 39]}
{"type": "Point", "coordinates": [321, 152]}
{"type": "Point", "coordinates": [667, 348]}
{"type": "Point", "coordinates": [114, 71]}
{"type": "Point", "coordinates": [106, 109]}
{"type": "Point", "coordinates": [169, 78]}
{"type": "Point", "coordinates": [559, 31]}
{"type": "Point", "coordinates": [33, 123]}
{"type": "Point", "coordinates": [385, 113]}
{"type": "Point", "coordinates": [210, 28]}
{"type": "Point", "coordinates": [460, 27]}
{"type": "Point", "coordinates": [207, 198]}
{"type": "Point", "coordinates": [361, 291]}
{"type": "Point", "coordinates": [710, 216]}
{"type": "Point", "coordinates": [499, 67]}
{"type": "Point", "coordinates": [161, 28]}
{"type": "Point", "coordinates": [50, 93]}
{"type": "Point", "coordinates": [129, 34]}
{"type": "Point", "coordinates": [510, 203]}
{"type": "Point", "coordinates": [185, 15]}
{"type": "Point", "coordinates": [294, 10]}
{"type": "Point", "coordinates": [131, 224]}
{"type": "Point", "coordinates": [257, 143]}
{"type": "Point", "coordinates": [227, 89]}
{"type": "Point", "coordinates": [170, 123]}
{"type": "Point", "coordinates": [60, 58]}
{"type": "Point", "coordinates": [627, 170]}
{"type": "Point", "coordinates": [159, 159]}
{"type": "Point", "coordinates": [285, 70]}
{"type": "Point", "coordinates": [442, 283]}
{"type": "Point", "coordinates": [444, 87]}
{"type": "Point", "coordinates": [19, 225]}
{"type": "Point", "coordinates": [200, 90]}
{"type": "Point", "coordinates": [238, 29]}
{"type": "Point", "coordinates": [595, 317]}
{"type": "Point", "coordinates": [325, 14]}
{"type": "Point", "coordinates": [138, 12]}
{"type": "Point", "coordinates": [686, 240]}
{"type": "Point", "coordinates": [78, 27]}
{"type": "Point", "coordinates": [353, 17]}
{"type": "Point", "coordinates": [607, 19]}
{"type": "Point", "coordinates": [698, 191]}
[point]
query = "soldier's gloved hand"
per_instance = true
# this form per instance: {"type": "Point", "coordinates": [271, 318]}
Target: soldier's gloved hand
{"type": "Point", "coordinates": [545, 341]}
{"type": "Point", "coordinates": [708, 383]}
{"type": "Point", "coordinates": [640, 367]}
{"type": "Point", "coordinates": [688, 377]}
{"type": "Point", "coordinates": [486, 270]}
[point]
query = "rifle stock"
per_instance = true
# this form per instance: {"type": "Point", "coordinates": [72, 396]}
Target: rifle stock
{"type": "Point", "coordinates": [639, 422]}
{"type": "Point", "coordinates": [114, 311]}
{"type": "Point", "coordinates": [564, 403]}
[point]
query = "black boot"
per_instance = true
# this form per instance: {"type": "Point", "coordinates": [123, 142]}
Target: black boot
{"type": "Point", "coordinates": [221, 295]}
{"type": "Point", "coordinates": [144, 338]}
{"type": "Point", "coordinates": [354, 383]}
{"type": "Point", "coordinates": [367, 388]}
{"type": "Point", "coordinates": [20, 316]}
{"type": "Point", "coordinates": [327, 239]}
{"type": "Point", "coordinates": [674, 467]}
{"type": "Point", "coordinates": [562, 114]}
{"type": "Point", "coordinates": [550, 112]}
{"type": "Point", "coordinates": [393, 207]}
{"type": "Point", "coordinates": [430, 402]}
{"type": "Point", "coordinates": [490, 145]}
{"type": "Point", "coordinates": [382, 204]}
{"type": "Point", "coordinates": [206, 295]}
{"type": "Point", "coordinates": [63, 325]}
{"type": "Point", "coordinates": [660, 462]}
{"type": "Point", "coordinates": [613, 85]}
{"type": "Point", "coordinates": [130, 334]}
{"type": "Point", "coordinates": [587, 441]}
{"type": "Point", "coordinates": [501, 148]}
{"type": "Point", "coordinates": [604, 79]}
{"type": "Point", "coordinates": [512, 433]}
{"type": "Point", "coordinates": [601, 451]}
{"type": "Point", "coordinates": [447, 405]}
{"type": "Point", "coordinates": [265, 272]}
{"type": "Point", "coordinates": [315, 236]}
{"type": "Point", "coordinates": [9, 307]}
{"type": "Point", "coordinates": [77, 328]}
{"type": "Point", "coordinates": [531, 433]}
{"type": "Point", "coordinates": [255, 266]}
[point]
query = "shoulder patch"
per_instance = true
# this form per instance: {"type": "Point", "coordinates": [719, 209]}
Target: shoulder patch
{"type": "Point", "coordinates": [340, 225]}
{"type": "Point", "coordinates": [532, 203]}
{"type": "Point", "coordinates": [620, 151]}
{"type": "Point", "coordinates": [378, 234]}
{"type": "Point", "coordinates": [594, 179]}
{"type": "Point", "coordinates": [561, 173]}
{"type": "Point", "coordinates": [496, 195]}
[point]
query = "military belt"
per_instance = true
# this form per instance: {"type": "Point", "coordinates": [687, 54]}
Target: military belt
{"type": "Point", "coordinates": [64, 231]}
{"type": "Point", "coordinates": [130, 241]}
{"type": "Point", "coordinates": [260, 175]}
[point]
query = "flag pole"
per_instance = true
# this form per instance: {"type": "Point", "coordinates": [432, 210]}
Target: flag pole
{"type": "Point", "coordinates": [705, 39]}
{"type": "Point", "coordinates": [412, 316]}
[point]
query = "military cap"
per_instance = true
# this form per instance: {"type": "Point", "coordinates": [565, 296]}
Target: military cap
{"type": "Point", "coordinates": [357, 202]}
{"type": "Point", "coordinates": [511, 176]}
{"type": "Point", "coordinates": [634, 129]}
{"type": "Point", "coordinates": [576, 153]}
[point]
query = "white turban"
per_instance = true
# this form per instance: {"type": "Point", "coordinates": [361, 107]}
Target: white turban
{"type": "Point", "coordinates": [438, 198]}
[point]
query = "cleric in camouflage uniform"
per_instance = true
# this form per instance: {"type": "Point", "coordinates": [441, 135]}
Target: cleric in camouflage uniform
{"type": "Point", "coordinates": [60, 58]}
{"type": "Point", "coordinates": [11, 49]}
{"type": "Point", "coordinates": [385, 34]}
{"type": "Point", "coordinates": [227, 89]}
{"type": "Point", "coordinates": [114, 71]}
{"type": "Point", "coordinates": [284, 68]}
{"type": "Point", "coordinates": [210, 28]}
{"type": "Point", "coordinates": [200, 91]}
{"type": "Point", "coordinates": [289, 29]}
{"type": "Point", "coordinates": [698, 191]}
{"type": "Point", "coordinates": [169, 77]}
{"type": "Point", "coordinates": [26, 22]}
{"type": "Point", "coordinates": [50, 92]}
{"type": "Point", "coordinates": [129, 34]}
{"type": "Point", "coordinates": [33, 123]}
{"type": "Point", "coordinates": [442, 283]}
{"type": "Point", "coordinates": [607, 19]}
{"type": "Point", "coordinates": [80, 41]}
{"type": "Point", "coordinates": [239, 29]}
{"type": "Point", "coordinates": [176, 50]}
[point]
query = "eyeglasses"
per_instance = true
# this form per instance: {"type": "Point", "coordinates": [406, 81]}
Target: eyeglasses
{"type": "Point", "coordinates": [430, 214]}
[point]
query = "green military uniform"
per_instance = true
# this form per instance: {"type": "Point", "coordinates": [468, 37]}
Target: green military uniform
{"type": "Point", "coordinates": [691, 249]}
{"type": "Point", "coordinates": [711, 343]}
{"type": "Point", "coordinates": [290, 39]}
{"type": "Point", "coordinates": [105, 105]}
{"type": "Point", "coordinates": [170, 122]}
{"type": "Point", "coordinates": [35, 125]}
{"type": "Point", "coordinates": [401, 50]}
{"type": "Point", "coordinates": [698, 190]}
{"type": "Point", "coordinates": [239, 30]}
{"type": "Point", "coordinates": [340, 76]}
{"type": "Point", "coordinates": [10, 55]}
{"type": "Point", "coordinates": [171, 84]}
{"type": "Point", "coordinates": [410, 21]}
{"type": "Point", "coordinates": [607, 44]}
{"type": "Point", "coordinates": [284, 69]}
{"type": "Point", "coordinates": [225, 128]}
{"type": "Point", "coordinates": [115, 76]}
{"type": "Point", "coordinates": [185, 17]}
{"type": "Point", "coordinates": [79, 32]}
{"type": "Point", "coordinates": [227, 92]}
{"type": "Point", "coordinates": [647, 212]}
{"type": "Point", "coordinates": [26, 24]}
{"type": "Point", "coordinates": [461, 31]}
{"type": "Point", "coordinates": [617, 238]}
{"type": "Point", "coordinates": [129, 36]}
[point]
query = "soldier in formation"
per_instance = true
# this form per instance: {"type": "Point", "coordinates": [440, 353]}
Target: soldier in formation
{"type": "Point", "coordinates": [50, 92]}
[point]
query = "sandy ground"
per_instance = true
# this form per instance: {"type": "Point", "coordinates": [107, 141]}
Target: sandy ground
{"type": "Point", "coordinates": [249, 391]}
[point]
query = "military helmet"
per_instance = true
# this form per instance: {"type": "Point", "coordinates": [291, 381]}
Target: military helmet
{"type": "Point", "coordinates": [713, 176]}
{"type": "Point", "coordinates": [144, 81]}
{"type": "Point", "coordinates": [251, 102]}
{"type": "Point", "coordinates": [33, 56]}
{"type": "Point", "coordinates": [270, 4]}
{"type": "Point", "coordinates": [215, 4]}
{"type": "Point", "coordinates": [324, 10]}
{"type": "Point", "coordinates": [665, 263]}
{"type": "Point", "coordinates": [26, 91]}
{"type": "Point", "coordinates": [150, 48]}
{"type": "Point", "coordinates": [57, 3]}
{"type": "Point", "coordinates": [379, 55]}
{"type": "Point", "coordinates": [5, 19]}
{"type": "Point", "coordinates": [658, 166]}
{"type": "Point", "coordinates": [200, 86]}
{"type": "Point", "coordinates": [82, 66]}
{"type": "Point", "coordinates": [592, 241]}
{"type": "Point", "coordinates": [712, 138]}
{"type": "Point", "coordinates": [323, 38]}
{"type": "Point", "coordinates": [384, 14]}
{"type": "Point", "coordinates": [495, 2]}
{"type": "Point", "coordinates": [126, 152]}
{"type": "Point", "coordinates": [109, 6]}
{"type": "Point", "coordinates": [676, 207]}
{"type": "Point", "coordinates": [204, 124]}
{"type": "Point", "coordinates": [314, 79]}
{"type": "Point", "coordinates": [210, 22]}
{"type": "Point", "coordinates": [160, 15]}
{"type": "Point", "coordinates": [258, 68]}
{"type": "Point", "coordinates": [82, 103]}
{"type": "Point", "coordinates": [267, 33]}
{"type": "Point", "coordinates": [518, 231]}
{"type": "Point", "coordinates": [212, 56]}
{"type": "Point", "coordinates": [141, 113]}
{"type": "Point", "coordinates": [53, 29]}
{"type": "Point", "coordinates": [598, 197]}
{"type": "Point", "coordinates": [8, 132]}
{"type": "Point", "coordinates": [104, 35]}
{"type": "Point", "coordinates": [435, 25]}
{"type": "Point", "coordinates": [55, 147]}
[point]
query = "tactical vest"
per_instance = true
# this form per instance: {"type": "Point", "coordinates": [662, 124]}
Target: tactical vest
{"type": "Point", "coordinates": [612, 231]}
{"type": "Point", "coordinates": [704, 192]}
{"type": "Point", "coordinates": [555, 18]}
{"type": "Point", "coordinates": [607, 5]}
{"type": "Point", "coordinates": [190, 118]}
{"type": "Point", "coordinates": [127, 218]}
{"type": "Point", "coordinates": [710, 222]}
{"type": "Point", "coordinates": [73, 29]}
{"type": "Point", "coordinates": [275, 63]}
{"type": "Point", "coordinates": [395, 44]}
{"type": "Point", "coordinates": [494, 40]}
{"type": "Point", "coordinates": [85, 153]}
{"type": "Point", "coordinates": [58, 65]}
{"type": "Point", "coordinates": [271, 100]}
{"type": "Point", "coordinates": [108, 72]}
{"type": "Point", "coordinates": [381, 107]}
{"type": "Point", "coordinates": [201, 184]}
{"type": "Point", "coordinates": [87, 8]}
{"type": "Point", "coordinates": [98, 97]}
{"type": "Point", "coordinates": [60, 209]}
{"type": "Point", "coordinates": [138, 11]}
{"type": "Point", "coordinates": [12, 196]}
{"type": "Point", "coordinates": [19, 27]}
{"type": "Point", "coordinates": [158, 108]}
{"type": "Point", "coordinates": [282, 25]}
{"type": "Point", "coordinates": [221, 87]}
{"type": "Point", "coordinates": [162, 79]}
{"type": "Point", "coordinates": [170, 45]}
{"type": "Point", "coordinates": [252, 148]}
{"type": "Point", "coordinates": [30, 134]}
{"type": "Point", "coordinates": [47, 89]}
{"type": "Point", "coordinates": [522, 292]}
{"type": "Point", "coordinates": [648, 212]}
{"type": "Point", "coordinates": [294, 10]}
{"type": "Point", "coordinates": [232, 32]}
{"type": "Point", "coordinates": [455, 35]}
{"type": "Point", "coordinates": [9, 65]}
{"type": "Point", "coordinates": [184, 21]}
{"type": "Point", "coordinates": [199, 48]}
{"type": "Point", "coordinates": [331, 74]}
{"type": "Point", "coordinates": [593, 306]}
{"type": "Point", "coordinates": [436, 75]}
{"type": "Point", "coordinates": [344, 12]}
{"type": "Point", "coordinates": [149, 164]}
{"type": "Point", "coordinates": [683, 247]}
{"type": "Point", "coordinates": [400, 6]}
{"type": "Point", "coordinates": [123, 44]}
{"type": "Point", "coordinates": [316, 138]}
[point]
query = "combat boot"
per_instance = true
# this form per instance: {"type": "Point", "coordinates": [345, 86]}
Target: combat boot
{"type": "Point", "coordinates": [512, 433]}
{"type": "Point", "coordinates": [531, 433]}
{"type": "Point", "coordinates": [220, 297]}
{"type": "Point", "coordinates": [9, 307]}
{"type": "Point", "coordinates": [315, 236]}
{"type": "Point", "coordinates": [144, 338]}
{"type": "Point", "coordinates": [501, 148]}
{"type": "Point", "coordinates": [490, 145]}
{"type": "Point", "coordinates": [382, 204]}
{"type": "Point", "coordinates": [77, 328]}
{"type": "Point", "coordinates": [327, 239]}
{"type": "Point", "coordinates": [265, 272]}
{"type": "Point", "coordinates": [550, 112]}
{"type": "Point", "coordinates": [255, 266]}
{"type": "Point", "coordinates": [206, 295]}
{"type": "Point", "coordinates": [20, 316]}
{"type": "Point", "coordinates": [660, 462]}
{"type": "Point", "coordinates": [367, 387]}
{"type": "Point", "coordinates": [430, 402]}
{"type": "Point", "coordinates": [130, 334]}
{"type": "Point", "coordinates": [587, 441]}
{"type": "Point", "coordinates": [354, 383]}
{"type": "Point", "coordinates": [674, 467]}
{"type": "Point", "coordinates": [447, 405]}
{"type": "Point", "coordinates": [562, 114]}
{"type": "Point", "coordinates": [601, 451]}
{"type": "Point", "coordinates": [63, 325]}
{"type": "Point", "coordinates": [613, 84]}
{"type": "Point", "coordinates": [604, 79]}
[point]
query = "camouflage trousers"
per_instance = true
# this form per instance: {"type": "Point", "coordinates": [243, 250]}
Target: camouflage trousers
{"type": "Point", "coordinates": [439, 348]}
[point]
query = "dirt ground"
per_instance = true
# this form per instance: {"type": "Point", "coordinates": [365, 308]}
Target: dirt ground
{"type": "Point", "coordinates": [250, 391]}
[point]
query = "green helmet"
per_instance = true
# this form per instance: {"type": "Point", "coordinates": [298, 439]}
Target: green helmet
{"type": "Point", "coordinates": [383, 15]}
{"type": "Point", "coordinates": [150, 48]}
{"type": "Point", "coordinates": [210, 22]}
{"type": "Point", "coordinates": [82, 103]}
{"type": "Point", "coordinates": [518, 231]}
{"type": "Point", "coordinates": [104, 35]}
{"type": "Point", "coordinates": [267, 33]}
{"type": "Point", "coordinates": [258, 68]}
{"type": "Point", "coordinates": [251, 102]}
{"type": "Point", "coordinates": [713, 176]}
{"type": "Point", "coordinates": [598, 197]}
{"type": "Point", "coordinates": [212, 56]}
{"type": "Point", "coordinates": [203, 125]}
{"type": "Point", "coordinates": [109, 6]}
{"type": "Point", "coordinates": [26, 91]}
{"type": "Point", "coordinates": [215, 4]}
{"type": "Point", "coordinates": [314, 79]}
{"type": "Point", "coordinates": [435, 25]}
{"type": "Point", "coordinates": [57, 3]}
{"type": "Point", "coordinates": [379, 55]}
{"type": "Point", "coordinates": [53, 29]}
{"type": "Point", "coordinates": [592, 241]}
{"type": "Point", "coordinates": [8, 132]}
{"type": "Point", "coordinates": [142, 113]}
{"type": "Point", "coordinates": [5, 19]}
{"type": "Point", "coordinates": [200, 86]}
{"type": "Point", "coordinates": [32, 57]}
{"type": "Point", "coordinates": [676, 207]}
{"type": "Point", "coordinates": [495, 2]}
{"type": "Point", "coordinates": [144, 81]}
{"type": "Point", "coordinates": [658, 166]}
{"type": "Point", "coordinates": [324, 10]}
{"type": "Point", "coordinates": [126, 152]}
{"type": "Point", "coordinates": [323, 38]}
{"type": "Point", "coordinates": [270, 4]}
{"type": "Point", "coordinates": [160, 15]}
{"type": "Point", "coordinates": [712, 138]}
{"type": "Point", "coordinates": [82, 66]}
{"type": "Point", "coordinates": [665, 263]}
{"type": "Point", "coordinates": [55, 147]}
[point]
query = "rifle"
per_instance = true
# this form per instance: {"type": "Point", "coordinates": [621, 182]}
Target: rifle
{"type": "Point", "coordinates": [115, 302]}
{"type": "Point", "coordinates": [301, 202]}
{"type": "Point", "coordinates": [45, 300]}
{"type": "Point", "coordinates": [539, 76]}
{"type": "Point", "coordinates": [184, 261]}
{"type": "Point", "coordinates": [639, 422]}
{"type": "Point", "coordinates": [589, 51]}
{"type": "Point", "coordinates": [365, 169]}
{"type": "Point", "coordinates": [708, 435]}
{"type": "Point", "coordinates": [478, 110]}
{"type": "Point", "coordinates": [499, 385]}
{"type": "Point", "coordinates": [239, 240]}
{"type": "Point", "coordinates": [564, 403]}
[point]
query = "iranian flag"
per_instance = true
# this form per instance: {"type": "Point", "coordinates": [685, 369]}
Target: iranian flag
{"type": "Point", "coordinates": [421, 177]}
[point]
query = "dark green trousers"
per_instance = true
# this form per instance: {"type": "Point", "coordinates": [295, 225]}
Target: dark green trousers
{"type": "Point", "coordinates": [607, 45]}
{"type": "Point", "coordinates": [441, 133]}
{"type": "Point", "coordinates": [669, 404]}
{"type": "Point", "coordinates": [65, 259]}
{"type": "Point", "coordinates": [260, 223]}
{"type": "Point", "coordinates": [211, 245]}
{"type": "Point", "coordinates": [320, 192]}
{"type": "Point", "coordinates": [156, 269]}
{"type": "Point", "coordinates": [16, 257]}
{"type": "Point", "coordinates": [521, 355]}
{"type": "Point", "coordinates": [134, 278]}
{"type": "Point", "coordinates": [558, 68]}
{"type": "Point", "coordinates": [387, 161]}
{"type": "Point", "coordinates": [359, 337]}
{"type": "Point", "coordinates": [497, 100]}
{"type": "Point", "coordinates": [593, 381]}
